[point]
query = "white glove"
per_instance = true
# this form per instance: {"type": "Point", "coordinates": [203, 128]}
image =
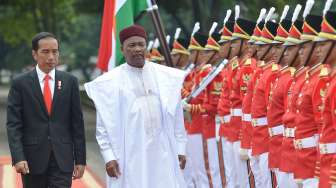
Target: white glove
{"type": "Point", "coordinates": [243, 153]}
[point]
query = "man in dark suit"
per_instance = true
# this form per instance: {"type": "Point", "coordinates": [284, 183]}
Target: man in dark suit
{"type": "Point", "coordinates": [44, 121]}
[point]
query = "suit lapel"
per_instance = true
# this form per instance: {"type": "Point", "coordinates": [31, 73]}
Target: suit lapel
{"type": "Point", "coordinates": [57, 90]}
{"type": "Point", "coordinates": [38, 91]}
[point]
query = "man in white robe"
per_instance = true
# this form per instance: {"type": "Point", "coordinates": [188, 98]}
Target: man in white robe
{"type": "Point", "coordinates": [140, 127]}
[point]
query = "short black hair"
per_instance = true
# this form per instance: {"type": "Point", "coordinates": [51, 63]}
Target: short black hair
{"type": "Point", "coordinates": [39, 36]}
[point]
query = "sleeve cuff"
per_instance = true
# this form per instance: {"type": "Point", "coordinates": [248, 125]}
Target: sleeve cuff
{"type": "Point", "coordinates": [181, 148]}
{"type": "Point", "coordinates": [108, 155]}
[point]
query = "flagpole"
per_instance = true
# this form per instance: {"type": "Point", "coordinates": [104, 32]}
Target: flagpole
{"type": "Point", "coordinates": [160, 32]}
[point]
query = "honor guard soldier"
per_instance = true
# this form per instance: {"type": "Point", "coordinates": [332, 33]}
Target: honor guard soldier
{"type": "Point", "coordinates": [243, 29]}
{"type": "Point", "coordinates": [306, 131]}
{"type": "Point", "coordinates": [324, 94]}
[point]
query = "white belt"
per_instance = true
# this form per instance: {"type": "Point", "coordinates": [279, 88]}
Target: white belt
{"type": "Point", "coordinates": [328, 148]}
{"type": "Point", "coordinates": [236, 112]}
{"type": "Point", "coordinates": [278, 130]}
{"type": "Point", "coordinates": [227, 118]}
{"type": "Point", "coordinates": [289, 132]}
{"type": "Point", "coordinates": [247, 117]}
{"type": "Point", "coordinates": [308, 142]}
{"type": "Point", "coordinates": [257, 122]}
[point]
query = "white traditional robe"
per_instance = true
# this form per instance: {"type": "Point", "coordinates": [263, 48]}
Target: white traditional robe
{"type": "Point", "coordinates": [140, 124]}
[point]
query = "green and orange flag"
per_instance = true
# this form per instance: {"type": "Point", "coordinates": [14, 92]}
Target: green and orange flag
{"type": "Point", "coordinates": [118, 14]}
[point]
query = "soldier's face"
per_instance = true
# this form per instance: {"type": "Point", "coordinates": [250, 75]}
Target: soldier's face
{"type": "Point", "coordinates": [323, 48]}
{"type": "Point", "coordinates": [252, 48]}
{"type": "Point", "coordinates": [224, 50]}
{"type": "Point", "coordinates": [206, 56]}
{"type": "Point", "coordinates": [180, 60]}
{"type": "Point", "coordinates": [276, 52]}
{"type": "Point", "coordinates": [304, 52]}
{"type": "Point", "coordinates": [235, 47]}
{"type": "Point", "coordinates": [134, 50]}
{"type": "Point", "coordinates": [262, 50]}
{"type": "Point", "coordinates": [291, 53]}
{"type": "Point", "coordinates": [193, 56]}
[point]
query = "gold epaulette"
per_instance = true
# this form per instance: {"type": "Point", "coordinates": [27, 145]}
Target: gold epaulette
{"type": "Point", "coordinates": [248, 62]}
{"type": "Point", "coordinates": [234, 63]}
{"type": "Point", "coordinates": [275, 67]}
{"type": "Point", "coordinates": [325, 71]}
{"type": "Point", "coordinates": [261, 64]}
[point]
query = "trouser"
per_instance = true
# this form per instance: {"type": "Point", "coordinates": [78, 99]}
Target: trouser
{"type": "Point", "coordinates": [241, 166]}
{"type": "Point", "coordinates": [263, 178]}
{"type": "Point", "coordinates": [229, 166]}
{"type": "Point", "coordinates": [310, 183]}
{"type": "Point", "coordinates": [53, 177]}
{"type": "Point", "coordinates": [197, 159]}
{"type": "Point", "coordinates": [285, 180]}
{"type": "Point", "coordinates": [214, 162]}
{"type": "Point", "coordinates": [189, 171]}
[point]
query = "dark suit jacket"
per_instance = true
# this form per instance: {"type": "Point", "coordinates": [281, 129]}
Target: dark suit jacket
{"type": "Point", "coordinates": [32, 132]}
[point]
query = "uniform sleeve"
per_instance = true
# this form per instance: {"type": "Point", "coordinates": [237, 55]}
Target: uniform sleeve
{"type": "Point", "coordinates": [179, 130]}
{"type": "Point", "coordinates": [108, 130]}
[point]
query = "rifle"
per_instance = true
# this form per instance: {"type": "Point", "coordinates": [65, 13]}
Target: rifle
{"type": "Point", "coordinates": [207, 80]}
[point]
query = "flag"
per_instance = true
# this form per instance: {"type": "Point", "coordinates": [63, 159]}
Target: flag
{"type": "Point", "coordinates": [117, 15]}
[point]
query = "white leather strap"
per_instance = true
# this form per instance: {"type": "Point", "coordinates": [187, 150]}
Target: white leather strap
{"type": "Point", "coordinates": [257, 122]}
{"type": "Point", "coordinates": [277, 130]}
{"type": "Point", "coordinates": [247, 117]}
{"type": "Point", "coordinates": [236, 112]}
{"type": "Point", "coordinates": [289, 133]}
{"type": "Point", "coordinates": [308, 142]}
{"type": "Point", "coordinates": [327, 148]}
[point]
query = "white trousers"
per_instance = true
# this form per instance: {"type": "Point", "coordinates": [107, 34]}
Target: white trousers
{"type": "Point", "coordinates": [214, 162]}
{"type": "Point", "coordinates": [310, 183]}
{"type": "Point", "coordinates": [189, 171]}
{"type": "Point", "coordinates": [197, 159]}
{"type": "Point", "coordinates": [263, 176]}
{"type": "Point", "coordinates": [285, 180]}
{"type": "Point", "coordinates": [229, 167]}
{"type": "Point", "coordinates": [241, 172]}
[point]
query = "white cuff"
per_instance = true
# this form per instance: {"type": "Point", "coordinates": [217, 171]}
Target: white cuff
{"type": "Point", "coordinates": [181, 148]}
{"type": "Point", "coordinates": [108, 155]}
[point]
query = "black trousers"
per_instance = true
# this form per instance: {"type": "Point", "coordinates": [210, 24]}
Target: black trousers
{"type": "Point", "coordinates": [52, 178]}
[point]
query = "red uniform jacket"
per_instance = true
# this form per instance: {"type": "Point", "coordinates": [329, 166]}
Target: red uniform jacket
{"type": "Point", "coordinates": [236, 103]}
{"type": "Point", "coordinates": [324, 89]}
{"type": "Point", "coordinates": [306, 127]}
{"type": "Point", "coordinates": [288, 157]}
{"type": "Point", "coordinates": [260, 136]}
{"type": "Point", "coordinates": [250, 73]}
{"type": "Point", "coordinates": [275, 111]}
{"type": "Point", "coordinates": [210, 102]}
{"type": "Point", "coordinates": [197, 102]}
{"type": "Point", "coordinates": [223, 108]}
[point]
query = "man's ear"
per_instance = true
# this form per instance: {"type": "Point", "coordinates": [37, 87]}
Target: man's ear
{"type": "Point", "coordinates": [34, 54]}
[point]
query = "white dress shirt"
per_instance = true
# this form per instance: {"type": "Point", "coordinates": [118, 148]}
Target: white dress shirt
{"type": "Point", "coordinates": [41, 75]}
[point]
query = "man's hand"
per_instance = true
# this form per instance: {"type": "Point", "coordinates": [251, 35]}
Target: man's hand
{"type": "Point", "coordinates": [243, 153]}
{"type": "Point", "coordinates": [187, 107]}
{"type": "Point", "coordinates": [182, 160]}
{"type": "Point", "coordinates": [22, 167]}
{"type": "Point", "coordinates": [112, 169]}
{"type": "Point", "coordinates": [78, 172]}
